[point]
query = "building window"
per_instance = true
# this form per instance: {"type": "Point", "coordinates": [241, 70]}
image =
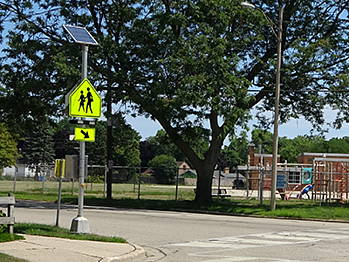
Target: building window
{"type": "Point", "coordinates": [294, 177]}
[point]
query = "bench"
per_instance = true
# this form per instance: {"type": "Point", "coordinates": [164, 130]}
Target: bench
{"type": "Point", "coordinates": [8, 220]}
{"type": "Point", "coordinates": [222, 192]}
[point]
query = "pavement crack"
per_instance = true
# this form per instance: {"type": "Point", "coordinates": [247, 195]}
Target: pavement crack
{"type": "Point", "coordinates": [154, 254]}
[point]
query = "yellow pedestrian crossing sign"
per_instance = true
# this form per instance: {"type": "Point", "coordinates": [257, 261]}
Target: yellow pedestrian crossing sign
{"type": "Point", "coordinates": [84, 101]}
{"type": "Point", "coordinates": [85, 134]}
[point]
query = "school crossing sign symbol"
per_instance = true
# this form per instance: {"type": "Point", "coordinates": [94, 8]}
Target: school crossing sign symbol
{"type": "Point", "coordinates": [84, 101]}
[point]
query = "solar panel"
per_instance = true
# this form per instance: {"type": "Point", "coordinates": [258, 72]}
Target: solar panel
{"type": "Point", "coordinates": [80, 35]}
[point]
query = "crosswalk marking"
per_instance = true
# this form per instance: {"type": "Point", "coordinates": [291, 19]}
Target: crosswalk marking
{"type": "Point", "coordinates": [320, 236]}
{"type": "Point", "coordinates": [206, 244]}
{"type": "Point", "coordinates": [269, 239]}
{"type": "Point", "coordinates": [260, 259]}
{"type": "Point", "coordinates": [286, 237]}
{"type": "Point", "coordinates": [254, 241]}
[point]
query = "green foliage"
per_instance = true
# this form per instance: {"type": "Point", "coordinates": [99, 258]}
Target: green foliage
{"type": "Point", "coordinates": [6, 237]}
{"type": "Point", "coordinates": [8, 148]}
{"type": "Point", "coordinates": [290, 149]}
{"type": "Point", "coordinates": [189, 174]}
{"type": "Point", "coordinates": [165, 168]}
{"type": "Point", "coordinates": [2, 227]}
{"type": "Point", "coordinates": [163, 145]}
{"type": "Point", "coordinates": [236, 152]}
{"type": "Point", "coordinates": [7, 258]}
{"type": "Point", "coordinates": [62, 144]}
{"type": "Point", "coordinates": [187, 64]}
{"type": "Point", "coordinates": [94, 179]}
{"type": "Point", "coordinates": [262, 139]}
{"type": "Point", "coordinates": [125, 143]}
{"type": "Point", "coordinates": [37, 147]}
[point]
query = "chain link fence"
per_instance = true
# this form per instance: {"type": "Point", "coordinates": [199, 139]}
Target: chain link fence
{"type": "Point", "coordinates": [128, 182]}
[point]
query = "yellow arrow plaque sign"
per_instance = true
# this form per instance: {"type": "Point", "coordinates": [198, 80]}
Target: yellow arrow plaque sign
{"type": "Point", "coordinates": [84, 101]}
{"type": "Point", "coordinates": [85, 134]}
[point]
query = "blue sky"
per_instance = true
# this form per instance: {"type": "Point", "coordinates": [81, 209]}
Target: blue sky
{"type": "Point", "coordinates": [147, 127]}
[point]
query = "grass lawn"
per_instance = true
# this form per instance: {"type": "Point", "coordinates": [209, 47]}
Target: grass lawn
{"type": "Point", "coordinates": [34, 190]}
{"type": "Point", "coordinates": [6, 237]}
{"type": "Point", "coordinates": [7, 258]}
{"type": "Point", "coordinates": [305, 209]}
{"type": "Point", "coordinates": [161, 197]}
{"type": "Point", "coordinates": [51, 231]}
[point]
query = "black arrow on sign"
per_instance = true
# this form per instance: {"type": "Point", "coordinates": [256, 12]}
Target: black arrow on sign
{"type": "Point", "coordinates": [85, 134]}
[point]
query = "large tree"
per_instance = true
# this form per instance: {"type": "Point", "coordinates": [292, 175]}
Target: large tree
{"type": "Point", "coordinates": [192, 65]}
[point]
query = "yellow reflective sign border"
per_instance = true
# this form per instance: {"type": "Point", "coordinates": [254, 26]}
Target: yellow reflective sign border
{"type": "Point", "coordinates": [85, 134]}
{"type": "Point", "coordinates": [84, 101]}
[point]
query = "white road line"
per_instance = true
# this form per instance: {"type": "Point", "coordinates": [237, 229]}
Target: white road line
{"type": "Point", "coordinates": [337, 232]}
{"type": "Point", "coordinates": [268, 239]}
{"type": "Point", "coordinates": [320, 236]}
{"type": "Point", "coordinates": [254, 241]}
{"type": "Point", "coordinates": [207, 245]}
{"type": "Point", "coordinates": [287, 237]}
{"type": "Point", "coordinates": [266, 259]}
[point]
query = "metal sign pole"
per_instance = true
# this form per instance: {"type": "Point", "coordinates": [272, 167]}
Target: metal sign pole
{"type": "Point", "coordinates": [80, 223]}
{"type": "Point", "coordinates": [59, 200]}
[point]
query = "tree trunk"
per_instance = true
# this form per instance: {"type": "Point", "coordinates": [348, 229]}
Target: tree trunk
{"type": "Point", "coordinates": [204, 184]}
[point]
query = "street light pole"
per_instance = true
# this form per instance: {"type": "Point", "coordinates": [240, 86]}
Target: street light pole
{"type": "Point", "coordinates": [276, 113]}
{"type": "Point", "coordinates": [278, 36]}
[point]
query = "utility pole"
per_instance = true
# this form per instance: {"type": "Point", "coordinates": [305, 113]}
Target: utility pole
{"type": "Point", "coordinates": [276, 110]}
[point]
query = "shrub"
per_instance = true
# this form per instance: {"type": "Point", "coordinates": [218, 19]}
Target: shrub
{"type": "Point", "coordinates": [165, 168]}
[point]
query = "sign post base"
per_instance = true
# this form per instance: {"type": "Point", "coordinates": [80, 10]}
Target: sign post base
{"type": "Point", "coordinates": [80, 225]}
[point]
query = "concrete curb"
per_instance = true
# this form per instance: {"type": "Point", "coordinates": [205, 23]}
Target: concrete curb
{"type": "Point", "coordinates": [206, 212]}
{"type": "Point", "coordinates": [135, 255]}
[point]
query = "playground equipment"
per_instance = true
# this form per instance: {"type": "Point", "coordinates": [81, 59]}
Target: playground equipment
{"type": "Point", "coordinates": [331, 179]}
{"type": "Point", "coordinates": [328, 177]}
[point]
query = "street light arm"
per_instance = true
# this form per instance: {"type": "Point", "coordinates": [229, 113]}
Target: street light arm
{"type": "Point", "coordinates": [271, 23]}
{"type": "Point", "coordinates": [278, 36]}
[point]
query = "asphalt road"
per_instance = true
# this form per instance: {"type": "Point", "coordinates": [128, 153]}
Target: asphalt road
{"type": "Point", "coordinates": [185, 237]}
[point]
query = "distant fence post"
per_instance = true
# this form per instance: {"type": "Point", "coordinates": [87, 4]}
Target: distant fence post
{"type": "Point", "coordinates": [43, 182]}
{"type": "Point", "coordinates": [15, 180]}
{"type": "Point", "coordinates": [177, 176]}
{"type": "Point", "coordinates": [139, 184]}
{"type": "Point", "coordinates": [105, 181]}
{"type": "Point", "coordinates": [72, 185]}
{"type": "Point", "coordinates": [219, 181]}
{"type": "Point", "coordinates": [134, 179]}
{"type": "Point", "coordinates": [247, 181]}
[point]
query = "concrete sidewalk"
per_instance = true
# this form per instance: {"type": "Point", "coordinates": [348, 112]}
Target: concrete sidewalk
{"type": "Point", "coordinates": [43, 249]}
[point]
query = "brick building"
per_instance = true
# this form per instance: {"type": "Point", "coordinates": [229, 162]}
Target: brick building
{"type": "Point", "coordinates": [308, 158]}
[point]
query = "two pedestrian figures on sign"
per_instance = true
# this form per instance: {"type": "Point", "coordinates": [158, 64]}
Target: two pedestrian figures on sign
{"type": "Point", "coordinates": [88, 99]}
